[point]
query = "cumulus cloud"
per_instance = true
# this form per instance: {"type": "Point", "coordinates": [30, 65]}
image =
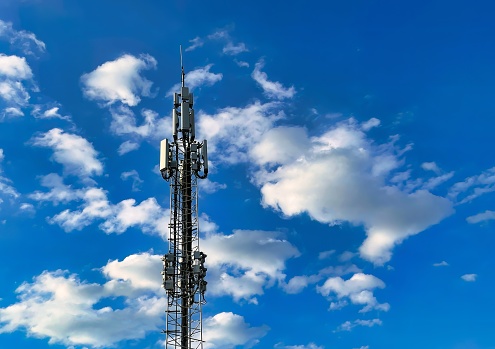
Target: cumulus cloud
{"type": "Point", "coordinates": [14, 72]}
{"type": "Point", "coordinates": [345, 163]}
{"type": "Point", "coordinates": [26, 41]}
{"type": "Point", "coordinates": [73, 152]}
{"type": "Point", "coordinates": [481, 217]}
{"type": "Point", "coordinates": [198, 77]}
{"type": "Point", "coordinates": [134, 274]}
{"type": "Point", "coordinates": [13, 67]}
{"type": "Point", "coordinates": [232, 131]}
{"type": "Point", "coordinates": [242, 264]}
{"type": "Point", "coordinates": [119, 80]}
{"type": "Point", "coordinates": [469, 277]}
{"type": "Point", "coordinates": [148, 216]}
{"type": "Point", "coordinates": [227, 330]}
{"type": "Point", "coordinates": [358, 290]}
{"type": "Point", "coordinates": [272, 89]}
{"type": "Point", "coordinates": [59, 306]}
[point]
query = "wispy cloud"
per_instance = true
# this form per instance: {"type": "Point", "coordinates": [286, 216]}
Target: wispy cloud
{"type": "Point", "coordinates": [195, 43]}
{"type": "Point", "coordinates": [348, 325]}
{"type": "Point", "coordinates": [481, 217]}
{"type": "Point", "coordinates": [233, 50]}
{"type": "Point", "coordinates": [272, 89]}
{"type": "Point", "coordinates": [26, 41]}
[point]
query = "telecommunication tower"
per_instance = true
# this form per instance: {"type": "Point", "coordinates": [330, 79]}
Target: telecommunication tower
{"type": "Point", "coordinates": [182, 161]}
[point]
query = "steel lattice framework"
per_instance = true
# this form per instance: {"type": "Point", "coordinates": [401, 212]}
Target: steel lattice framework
{"type": "Point", "coordinates": [182, 162]}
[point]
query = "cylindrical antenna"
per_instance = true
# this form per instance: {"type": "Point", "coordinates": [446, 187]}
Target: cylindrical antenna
{"type": "Point", "coordinates": [182, 66]}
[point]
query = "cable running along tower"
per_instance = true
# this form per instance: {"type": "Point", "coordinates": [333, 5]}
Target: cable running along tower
{"type": "Point", "coordinates": [182, 162]}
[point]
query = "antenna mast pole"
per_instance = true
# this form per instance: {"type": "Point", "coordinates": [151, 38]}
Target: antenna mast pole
{"type": "Point", "coordinates": [182, 161]}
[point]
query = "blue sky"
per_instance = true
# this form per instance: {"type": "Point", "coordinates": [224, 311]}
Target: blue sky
{"type": "Point", "coordinates": [350, 199]}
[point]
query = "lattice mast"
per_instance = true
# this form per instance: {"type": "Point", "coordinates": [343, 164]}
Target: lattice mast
{"type": "Point", "coordinates": [182, 162]}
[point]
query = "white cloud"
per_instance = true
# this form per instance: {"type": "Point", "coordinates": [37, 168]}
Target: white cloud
{"type": "Point", "coordinates": [58, 193]}
{"type": "Point", "coordinates": [27, 207]}
{"type": "Point", "coordinates": [12, 112]}
{"type": "Point", "coordinates": [15, 96]}
{"type": "Point", "coordinates": [436, 181]}
{"type": "Point", "coordinates": [210, 187]}
{"type": "Point", "coordinates": [345, 163]}
{"type": "Point", "coordinates": [119, 80]}
{"type": "Point", "coordinates": [368, 125]}
{"type": "Point", "coordinates": [242, 64]}
{"type": "Point", "coordinates": [307, 346]}
{"type": "Point", "coordinates": [299, 282]}
{"type": "Point", "coordinates": [136, 273]}
{"type": "Point", "coordinates": [73, 152]}
{"type": "Point", "coordinates": [274, 90]}
{"type": "Point", "coordinates": [358, 289]}
{"type": "Point", "coordinates": [59, 306]}
{"type": "Point", "coordinates": [280, 145]}
{"type": "Point", "coordinates": [363, 347]}
{"type": "Point", "coordinates": [148, 216]}
{"type": "Point", "coordinates": [431, 166]}
{"type": "Point", "coordinates": [15, 68]}
{"type": "Point", "coordinates": [325, 254]}
{"type": "Point", "coordinates": [124, 122]}
{"type": "Point", "coordinates": [198, 77]}
{"type": "Point", "coordinates": [13, 71]}
{"type": "Point", "coordinates": [6, 187]}
{"type": "Point", "coordinates": [441, 264]}
{"type": "Point", "coordinates": [481, 217]}
{"type": "Point", "coordinates": [134, 176]}
{"type": "Point", "coordinates": [348, 326]}
{"type": "Point", "coordinates": [195, 43]}
{"type": "Point", "coordinates": [219, 34]}
{"type": "Point", "coordinates": [24, 40]}
{"type": "Point", "coordinates": [244, 263]}
{"type": "Point", "coordinates": [227, 330]}
{"type": "Point", "coordinates": [50, 113]}
{"type": "Point", "coordinates": [233, 50]}
{"type": "Point", "coordinates": [127, 147]}
{"type": "Point", "coordinates": [235, 130]}
{"type": "Point", "coordinates": [473, 187]}
{"type": "Point", "coordinates": [469, 277]}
